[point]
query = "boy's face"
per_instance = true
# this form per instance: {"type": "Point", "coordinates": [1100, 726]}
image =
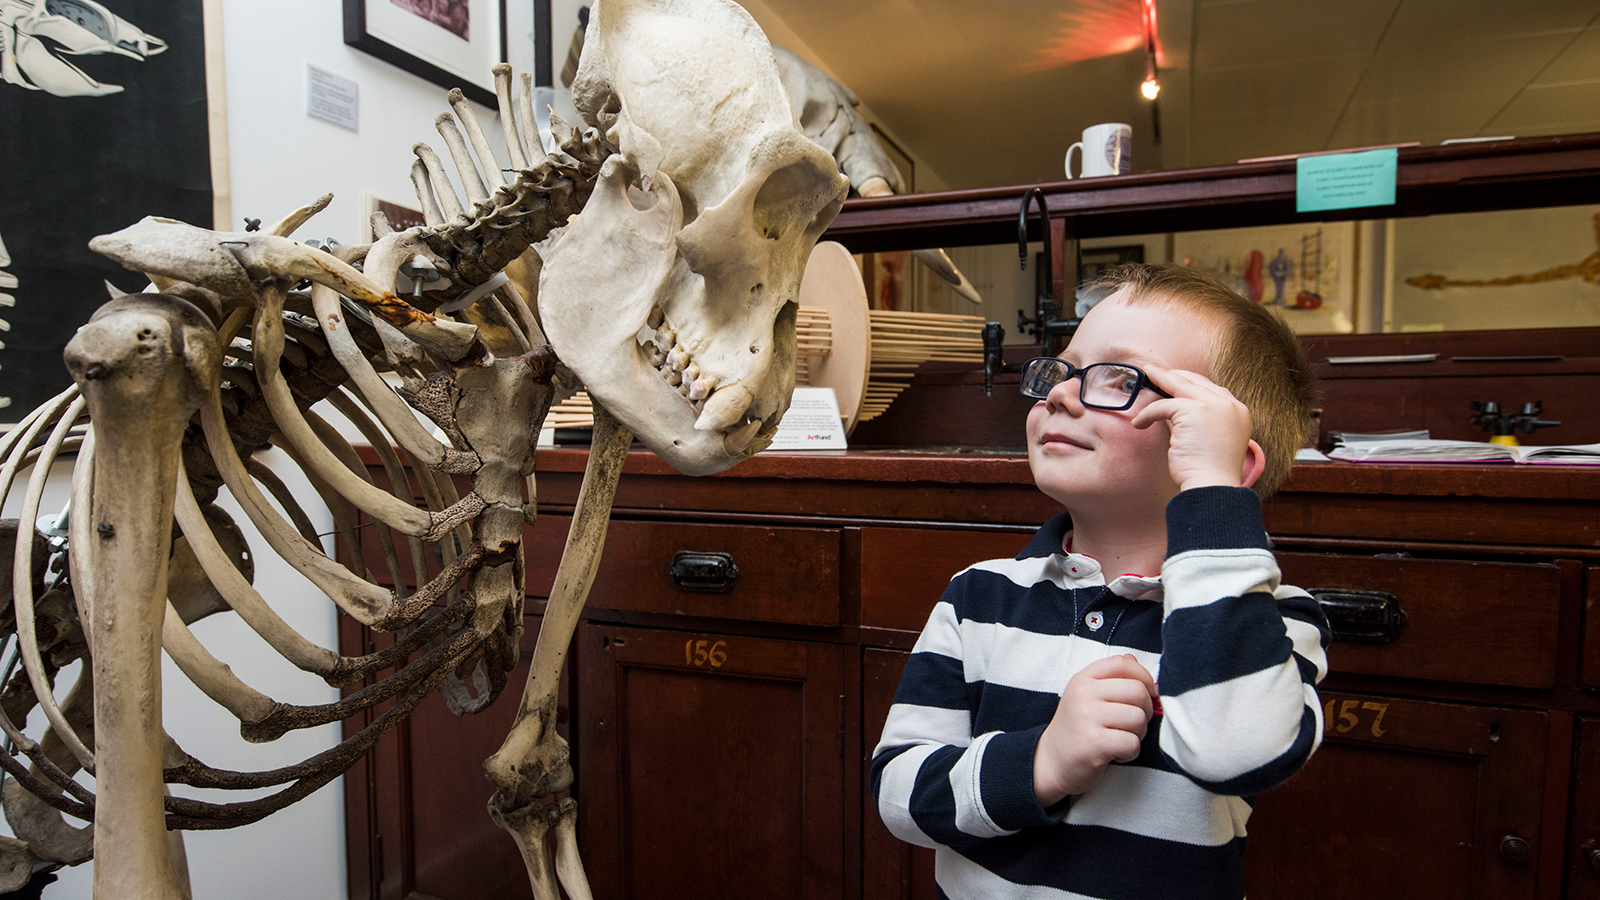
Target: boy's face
{"type": "Point", "coordinates": [1091, 460]}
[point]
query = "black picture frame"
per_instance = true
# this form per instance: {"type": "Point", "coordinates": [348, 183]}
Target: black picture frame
{"type": "Point", "coordinates": [357, 35]}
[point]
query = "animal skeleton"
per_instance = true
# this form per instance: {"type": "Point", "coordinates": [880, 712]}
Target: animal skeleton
{"type": "Point", "coordinates": [828, 115]}
{"type": "Point", "coordinates": [1587, 269]}
{"type": "Point", "coordinates": [662, 251]}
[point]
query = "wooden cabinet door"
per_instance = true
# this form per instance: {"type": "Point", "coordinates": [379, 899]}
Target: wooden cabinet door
{"type": "Point", "coordinates": [713, 766]}
{"type": "Point", "coordinates": [1589, 675]}
{"type": "Point", "coordinates": [416, 826]}
{"type": "Point", "coordinates": [1583, 829]}
{"type": "Point", "coordinates": [1406, 798]}
{"type": "Point", "coordinates": [891, 869]}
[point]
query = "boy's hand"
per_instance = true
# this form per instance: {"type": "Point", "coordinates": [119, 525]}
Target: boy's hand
{"type": "Point", "coordinates": [1101, 718]}
{"type": "Point", "coordinates": [1210, 428]}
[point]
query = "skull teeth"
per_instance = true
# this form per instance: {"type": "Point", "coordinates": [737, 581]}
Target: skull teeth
{"type": "Point", "coordinates": [678, 358]}
{"type": "Point", "coordinates": [724, 408]}
{"type": "Point", "coordinates": [702, 387]}
{"type": "Point", "coordinates": [717, 408]}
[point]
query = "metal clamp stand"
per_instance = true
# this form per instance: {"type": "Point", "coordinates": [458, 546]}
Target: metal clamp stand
{"type": "Point", "coordinates": [1044, 325]}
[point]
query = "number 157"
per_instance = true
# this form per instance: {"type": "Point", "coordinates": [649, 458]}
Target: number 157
{"type": "Point", "coordinates": [1350, 716]}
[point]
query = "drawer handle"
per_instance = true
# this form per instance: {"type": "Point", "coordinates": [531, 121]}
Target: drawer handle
{"type": "Point", "coordinates": [703, 572]}
{"type": "Point", "coordinates": [1362, 617]}
{"type": "Point", "coordinates": [1515, 850]}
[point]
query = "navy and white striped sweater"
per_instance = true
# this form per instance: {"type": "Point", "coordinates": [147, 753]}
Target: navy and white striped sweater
{"type": "Point", "coordinates": [1237, 657]}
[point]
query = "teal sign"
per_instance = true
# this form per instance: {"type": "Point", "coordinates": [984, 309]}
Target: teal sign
{"type": "Point", "coordinates": [1346, 180]}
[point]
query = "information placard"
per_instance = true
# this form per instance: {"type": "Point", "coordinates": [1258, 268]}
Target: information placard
{"type": "Point", "coordinates": [812, 422]}
{"type": "Point", "coordinates": [1346, 180]}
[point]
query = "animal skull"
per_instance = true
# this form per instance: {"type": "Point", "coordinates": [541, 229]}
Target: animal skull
{"type": "Point", "coordinates": [688, 338]}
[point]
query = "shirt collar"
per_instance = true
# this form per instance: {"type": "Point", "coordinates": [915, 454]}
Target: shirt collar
{"type": "Point", "coordinates": [1083, 571]}
{"type": "Point", "coordinates": [1049, 538]}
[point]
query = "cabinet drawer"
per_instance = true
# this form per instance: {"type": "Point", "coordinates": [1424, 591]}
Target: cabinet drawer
{"type": "Point", "coordinates": [904, 571]}
{"type": "Point", "coordinates": [1478, 622]}
{"type": "Point", "coordinates": [784, 575]}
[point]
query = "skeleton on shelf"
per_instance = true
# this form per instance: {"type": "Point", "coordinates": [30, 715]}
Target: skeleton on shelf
{"type": "Point", "coordinates": [828, 114]}
{"type": "Point", "coordinates": [653, 258]}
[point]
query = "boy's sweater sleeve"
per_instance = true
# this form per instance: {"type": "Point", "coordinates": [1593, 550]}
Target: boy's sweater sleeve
{"type": "Point", "coordinates": [1241, 653]}
{"type": "Point", "coordinates": [935, 783]}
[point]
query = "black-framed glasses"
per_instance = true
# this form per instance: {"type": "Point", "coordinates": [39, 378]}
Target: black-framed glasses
{"type": "Point", "coordinates": [1113, 386]}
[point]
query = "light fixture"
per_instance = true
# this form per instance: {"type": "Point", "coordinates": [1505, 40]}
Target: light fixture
{"type": "Point", "coordinates": [1150, 88]}
{"type": "Point", "coordinates": [1147, 22]}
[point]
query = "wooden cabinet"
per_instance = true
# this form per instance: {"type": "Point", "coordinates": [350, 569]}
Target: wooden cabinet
{"type": "Point", "coordinates": [722, 731]}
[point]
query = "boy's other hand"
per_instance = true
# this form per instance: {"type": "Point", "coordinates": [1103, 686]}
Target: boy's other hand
{"type": "Point", "coordinates": [1101, 719]}
{"type": "Point", "coordinates": [1210, 429]}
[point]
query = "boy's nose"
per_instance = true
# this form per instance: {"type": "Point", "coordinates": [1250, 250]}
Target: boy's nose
{"type": "Point", "coordinates": [1064, 396]}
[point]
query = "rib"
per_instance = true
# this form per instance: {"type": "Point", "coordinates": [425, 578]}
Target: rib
{"type": "Point", "coordinates": [399, 484]}
{"type": "Point", "coordinates": [280, 492]}
{"type": "Point", "coordinates": [392, 411]}
{"type": "Point", "coordinates": [22, 576]}
{"type": "Point", "coordinates": [252, 608]}
{"type": "Point", "coordinates": [365, 602]}
{"type": "Point", "coordinates": [211, 676]}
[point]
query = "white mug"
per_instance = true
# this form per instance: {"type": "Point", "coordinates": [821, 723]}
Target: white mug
{"type": "Point", "coordinates": [1106, 150]}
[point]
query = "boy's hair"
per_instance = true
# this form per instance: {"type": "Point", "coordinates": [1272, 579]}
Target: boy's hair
{"type": "Point", "coordinates": [1257, 358]}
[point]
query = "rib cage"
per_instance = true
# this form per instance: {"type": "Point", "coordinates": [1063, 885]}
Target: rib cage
{"type": "Point", "coordinates": [438, 640]}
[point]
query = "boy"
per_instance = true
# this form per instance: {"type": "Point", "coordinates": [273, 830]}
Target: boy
{"type": "Point", "coordinates": [1028, 742]}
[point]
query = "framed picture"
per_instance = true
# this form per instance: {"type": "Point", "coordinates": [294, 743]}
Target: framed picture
{"type": "Point", "coordinates": [1305, 271]}
{"type": "Point", "coordinates": [401, 215]}
{"type": "Point", "coordinates": [1094, 260]}
{"type": "Point", "coordinates": [155, 93]}
{"type": "Point", "coordinates": [452, 43]}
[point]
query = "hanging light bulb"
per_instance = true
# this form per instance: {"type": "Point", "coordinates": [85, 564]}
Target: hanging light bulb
{"type": "Point", "coordinates": [1150, 88]}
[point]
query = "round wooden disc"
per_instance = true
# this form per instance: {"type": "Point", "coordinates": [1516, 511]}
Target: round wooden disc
{"type": "Point", "coordinates": [833, 282]}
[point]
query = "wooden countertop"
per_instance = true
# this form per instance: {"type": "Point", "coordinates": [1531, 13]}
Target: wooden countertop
{"type": "Point", "coordinates": [1533, 482]}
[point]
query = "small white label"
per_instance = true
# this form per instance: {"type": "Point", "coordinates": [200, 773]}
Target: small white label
{"type": "Point", "coordinates": [332, 98]}
{"type": "Point", "coordinates": [812, 422]}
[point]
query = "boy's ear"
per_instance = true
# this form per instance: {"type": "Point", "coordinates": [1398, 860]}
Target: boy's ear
{"type": "Point", "coordinates": [1255, 462]}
